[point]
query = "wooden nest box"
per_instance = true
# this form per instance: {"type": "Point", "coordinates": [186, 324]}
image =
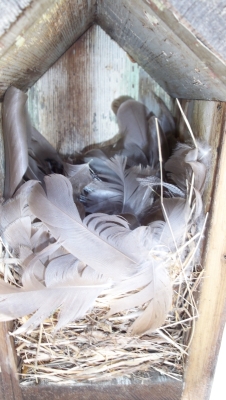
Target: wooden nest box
{"type": "Point", "coordinates": [62, 52]}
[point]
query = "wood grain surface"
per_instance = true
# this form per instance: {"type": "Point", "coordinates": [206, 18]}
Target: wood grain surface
{"type": "Point", "coordinates": [168, 390]}
{"type": "Point", "coordinates": [10, 12]}
{"type": "Point", "coordinates": [148, 30]}
{"type": "Point", "coordinates": [212, 305]}
{"type": "Point", "coordinates": [166, 49]}
{"type": "Point", "coordinates": [206, 19]}
{"type": "Point", "coordinates": [9, 385]}
{"type": "Point", "coordinates": [71, 103]}
{"type": "Point", "coordinates": [49, 29]}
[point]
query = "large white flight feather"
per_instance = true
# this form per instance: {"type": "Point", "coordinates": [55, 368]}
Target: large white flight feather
{"type": "Point", "coordinates": [67, 286]}
{"type": "Point", "coordinates": [101, 241]}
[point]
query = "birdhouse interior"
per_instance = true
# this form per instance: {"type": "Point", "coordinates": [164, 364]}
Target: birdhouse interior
{"type": "Point", "coordinates": [73, 59]}
{"type": "Point", "coordinates": [71, 102]}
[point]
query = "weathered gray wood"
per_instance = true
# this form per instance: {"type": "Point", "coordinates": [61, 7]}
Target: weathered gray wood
{"type": "Point", "coordinates": [206, 19]}
{"type": "Point", "coordinates": [173, 56]}
{"type": "Point", "coordinates": [9, 385]}
{"type": "Point", "coordinates": [215, 68]}
{"type": "Point", "coordinates": [162, 390]}
{"type": "Point", "coordinates": [212, 305]}
{"type": "Point", "coordinates": [44, 41]}
{"type": "Point", "coordinates": [71, 103]}
{"type": "Point", "coordinates": [10, 11]}
{"type": "Point", "coordinates": [19, 22]}
{"type": "Point", "coordinates": [148, 31]}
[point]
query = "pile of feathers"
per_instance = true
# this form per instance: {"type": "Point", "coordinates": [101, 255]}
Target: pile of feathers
{"type": "Point", "coordinates": [105, 225]}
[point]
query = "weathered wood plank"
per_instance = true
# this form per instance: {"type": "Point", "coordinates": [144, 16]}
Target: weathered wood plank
{"type": "Point", "coordinates": [71, 103]}
{"type": "Point", "coordinates": [212, 305]}
{"type": "Point", "coordinates": [206, 19]}
{"type": "Point", "coordinates": [148, 30]}
{"type": "Point", "coordinates": [44, 41]}
{"type": "Point", "coordinates": [162, 390]}
{"type": "Point", "coordinates": [171, 54]}
{"type": "Point", "coordinates": [214, 66]}
{"type": "Point", "coordinates": [10, 11]}
{"type": "Point", "coordinates": [9, 385]}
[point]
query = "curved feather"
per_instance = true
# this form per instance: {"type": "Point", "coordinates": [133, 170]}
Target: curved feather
{"type": "Point", "coordinates": [117, 103]}
{"type": "Point", "coordinates": [181, 164]}
{"type": "Point", "coordinates": [15, 207]}
{"type": "Point", "coordinates": [160, 303]}
{"type": "Point", "coordinates": [42, 152]}
{"type": "Point", "coordinates": [122, 193]}
{"type": "Point", "coordinates": [132, 122]}
{"type": "Point", "coordinates": [18, 233]}
{"type": "Point", "coordinates": [89, 240]}
{"type": "Point", "coordinates": [15, 132]}
{"type": "Point", "coordinates": [73, 299]}
{"type": "Point", "coordinates": [154, 181]}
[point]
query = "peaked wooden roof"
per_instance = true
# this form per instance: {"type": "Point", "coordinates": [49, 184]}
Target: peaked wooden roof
{"type": "Point", "coordinates": [147, 30]}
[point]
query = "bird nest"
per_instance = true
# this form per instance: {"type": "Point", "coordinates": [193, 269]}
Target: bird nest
{"type": "Point", "coordinates": [96, 349]}
{"type": "Point", "coordinates": [142, 315]}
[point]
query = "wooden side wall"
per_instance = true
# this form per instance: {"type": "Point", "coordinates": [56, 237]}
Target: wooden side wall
{"type": "Point", "coordinates": [212, 303]}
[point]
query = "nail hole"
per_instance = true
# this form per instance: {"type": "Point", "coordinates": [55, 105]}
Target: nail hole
{"type": "Point", "coordinates": [224, 256]}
